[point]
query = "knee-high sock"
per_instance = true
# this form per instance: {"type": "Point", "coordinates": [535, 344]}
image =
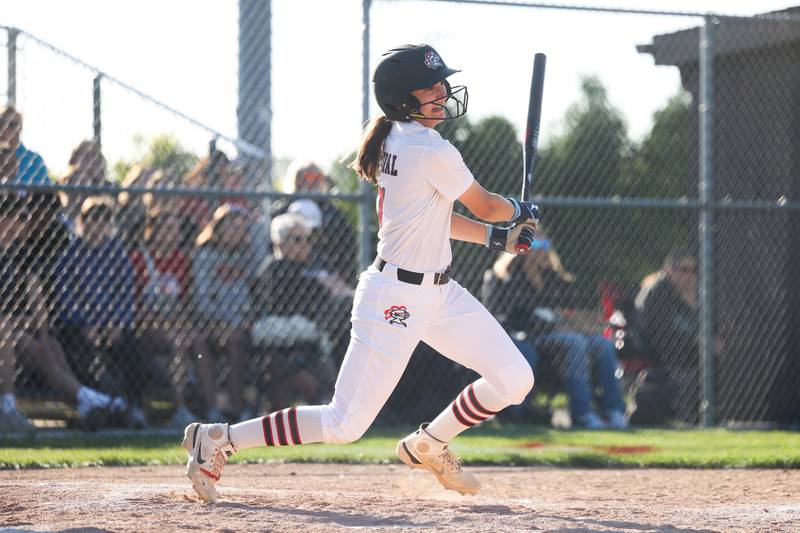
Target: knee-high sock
{"type": "Point", "coordinates": [476, 403]}
{"type": "Point", "coordinates": [291, 426]}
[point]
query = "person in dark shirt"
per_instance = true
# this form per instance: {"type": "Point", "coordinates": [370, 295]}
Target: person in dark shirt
{"type": "Point", "coordinates": [667, 309]}
{"type": "Point", "coordinates": [533, 295]}
{"type": "Point", "coordinates": [297, 313]}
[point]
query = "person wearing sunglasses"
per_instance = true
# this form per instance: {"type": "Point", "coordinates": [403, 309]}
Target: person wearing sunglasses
{"type": "Point", "coordinates": [30, 165]}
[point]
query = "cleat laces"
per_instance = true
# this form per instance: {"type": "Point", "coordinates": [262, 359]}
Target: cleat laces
{"type": "Point", "coordinates": [449, 458]}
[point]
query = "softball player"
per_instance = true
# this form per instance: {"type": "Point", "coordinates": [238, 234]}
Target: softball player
{"type": "Point", "coordinates": [407, 295]}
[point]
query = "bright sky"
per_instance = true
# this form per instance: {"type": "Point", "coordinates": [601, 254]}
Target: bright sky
{"type": "Point", "coordinates": [184, 53]}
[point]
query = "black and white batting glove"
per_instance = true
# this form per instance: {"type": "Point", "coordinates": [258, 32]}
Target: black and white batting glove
{"type": "Point", "coordinates": [506, 239]}
{"type": "Point", "coordinates": [524, 212]}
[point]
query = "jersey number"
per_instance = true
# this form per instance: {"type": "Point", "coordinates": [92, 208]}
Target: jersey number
{"type": "Point", "coordinates": [381, 194]}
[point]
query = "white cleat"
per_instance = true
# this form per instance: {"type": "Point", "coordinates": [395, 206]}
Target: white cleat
{"type": "Point", "coordinates": [209, 447]}
{"type": "Point", "coordinates": [421, 450]}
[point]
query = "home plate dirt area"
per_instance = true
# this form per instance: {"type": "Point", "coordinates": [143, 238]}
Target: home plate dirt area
{"type": "Point", "coordinates": [325, 497]}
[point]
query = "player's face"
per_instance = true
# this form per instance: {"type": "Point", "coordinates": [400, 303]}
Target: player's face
{"type": "Point", "coordinates": [433, 101]}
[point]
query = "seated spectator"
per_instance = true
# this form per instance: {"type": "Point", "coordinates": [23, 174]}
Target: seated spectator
{"type": "Point", "coordinates": [163, 273]}
{"type": "Point", "coordinates": [318, 261]}
{"type": "Point", "coordinates": [30, 165]}
{"type": "Point", "coordinates": [532, 296]}
{"type": "Point", "coordinates": [297, 315]}
{"type": "Point", "coordinates": [667, 306]}
{"type": "Point", "coordinates": [222, 271]}
{"type": "Point", "coordinates": [24, 321]}
{"type": "Point", "coordinates": [337, 239]}
{"type": "Point", "coordinates": [234, 178]}
{"type": "Point", "coordinates": [95, 280]}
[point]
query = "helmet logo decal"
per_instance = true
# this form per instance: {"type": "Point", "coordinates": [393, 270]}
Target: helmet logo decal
{"type": "Point", "coordinates": [432, 60]}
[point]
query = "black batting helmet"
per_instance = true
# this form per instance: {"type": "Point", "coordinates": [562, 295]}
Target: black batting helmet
{"type": "Point", "coordinates": [408, 68]}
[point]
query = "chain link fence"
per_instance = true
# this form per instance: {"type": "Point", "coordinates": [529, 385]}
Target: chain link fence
{"type": "Point", "coordinates": [175, 282]}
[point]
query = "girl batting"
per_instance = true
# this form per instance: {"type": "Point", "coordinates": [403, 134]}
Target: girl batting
{"type": "Point", "coordinates": [407, 295]}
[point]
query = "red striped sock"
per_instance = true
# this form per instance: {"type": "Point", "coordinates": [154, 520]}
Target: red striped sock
{"type": "Point", "coordinates": [287, 427]}
{"type": "Point", "coordinates": [475, 404]}
{"type": "Point", "coordinates": [280, 428]}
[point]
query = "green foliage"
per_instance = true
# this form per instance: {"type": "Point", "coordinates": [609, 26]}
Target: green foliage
{"type": "Point", "coordinates": [593, 157]}
{"type": "Point", "coordinates": [163, 151]}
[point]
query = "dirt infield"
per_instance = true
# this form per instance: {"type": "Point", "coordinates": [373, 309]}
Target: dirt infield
{"type": "Point", "coordinates": [300, 498]}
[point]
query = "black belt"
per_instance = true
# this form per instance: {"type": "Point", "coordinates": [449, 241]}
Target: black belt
{"type": "Point", "coordinates": [415, 278]}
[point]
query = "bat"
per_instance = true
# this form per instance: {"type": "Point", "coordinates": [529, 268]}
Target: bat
{"type": "Point", "coordinates": [531, 141]}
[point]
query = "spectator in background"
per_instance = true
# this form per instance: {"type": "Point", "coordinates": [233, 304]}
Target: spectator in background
{"type": "Point", "coordinates": [163, 273]}
{"type": "Point", "coordinates": [30, 165]}
{"type": "Point", "coordinates": [95, 279]}
{"type": "Point", "coordinates": [337, 239]}
{"type": "Point", "coordinates": [667, 306]}
{"type": "Point", "coordinates": [532, 296]}
{"type": "Point", "coordinates": [87, 167]}
{"type": "Point", "coordinates": [297, 315]}
{"type": "Point", "coordinates": [318, 262]}
{"type": "Point", "coordinates": [222, 272]}
{"type": "Point", "coordinates": [234, 178]}
{"type": "Point", "coordinates": [24, 322]}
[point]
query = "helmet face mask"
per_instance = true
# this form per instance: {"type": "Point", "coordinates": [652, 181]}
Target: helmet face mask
{"type": "Point", "coordinates": [410, 68]}
{"type": "Point", "coordinates": [454, 103]}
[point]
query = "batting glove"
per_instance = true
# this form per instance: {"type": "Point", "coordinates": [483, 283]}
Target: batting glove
{"type": "Point", "coordinates": [506, 239]}
{"type": "Point", "coordinates": [524, 212]}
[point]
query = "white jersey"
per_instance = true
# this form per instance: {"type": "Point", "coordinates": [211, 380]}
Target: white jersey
{"type": "Point", "coordinates": [421, 176]}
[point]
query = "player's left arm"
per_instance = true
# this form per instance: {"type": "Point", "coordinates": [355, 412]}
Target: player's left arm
{"type": "Point", "coordinates": [467, 230]}
{"type": "Point", "coordinates": [493, 237]}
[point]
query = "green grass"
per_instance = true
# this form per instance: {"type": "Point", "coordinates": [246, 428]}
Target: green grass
{"type": "Point", "coordinates": [506, 445]}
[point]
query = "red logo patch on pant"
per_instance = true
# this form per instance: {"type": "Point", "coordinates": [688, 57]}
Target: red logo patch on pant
{"type": "Point", "coordinates": [397, 314]}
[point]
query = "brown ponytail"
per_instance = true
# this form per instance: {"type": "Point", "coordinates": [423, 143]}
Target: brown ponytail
{"type": "Point", "coordinates": [367, 163]}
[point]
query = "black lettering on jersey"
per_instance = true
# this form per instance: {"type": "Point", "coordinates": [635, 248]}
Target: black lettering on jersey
{"type": "Point", "coordinates": [388, 164]}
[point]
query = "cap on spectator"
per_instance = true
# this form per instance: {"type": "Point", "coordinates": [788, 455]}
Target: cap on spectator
{"type": "Point", "coordinates": [282, 224]}
{"type": "Point", "coordinates": [309, 210]}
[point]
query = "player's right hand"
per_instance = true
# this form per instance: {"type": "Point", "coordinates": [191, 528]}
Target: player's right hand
{"type": "Point", "coordinates": [525, 231]}
{"type": "Point", "coordinates": [524, 212]}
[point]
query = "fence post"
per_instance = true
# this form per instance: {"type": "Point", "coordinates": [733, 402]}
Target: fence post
{"type": "Point", "coordinates": [97, 121]}
{"type": "Point", "coordinates": [365, 211]}
{"type": "Point", "coordinates": [706, 220]}
{"type": "Point", "coordinates": [11, 49]}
